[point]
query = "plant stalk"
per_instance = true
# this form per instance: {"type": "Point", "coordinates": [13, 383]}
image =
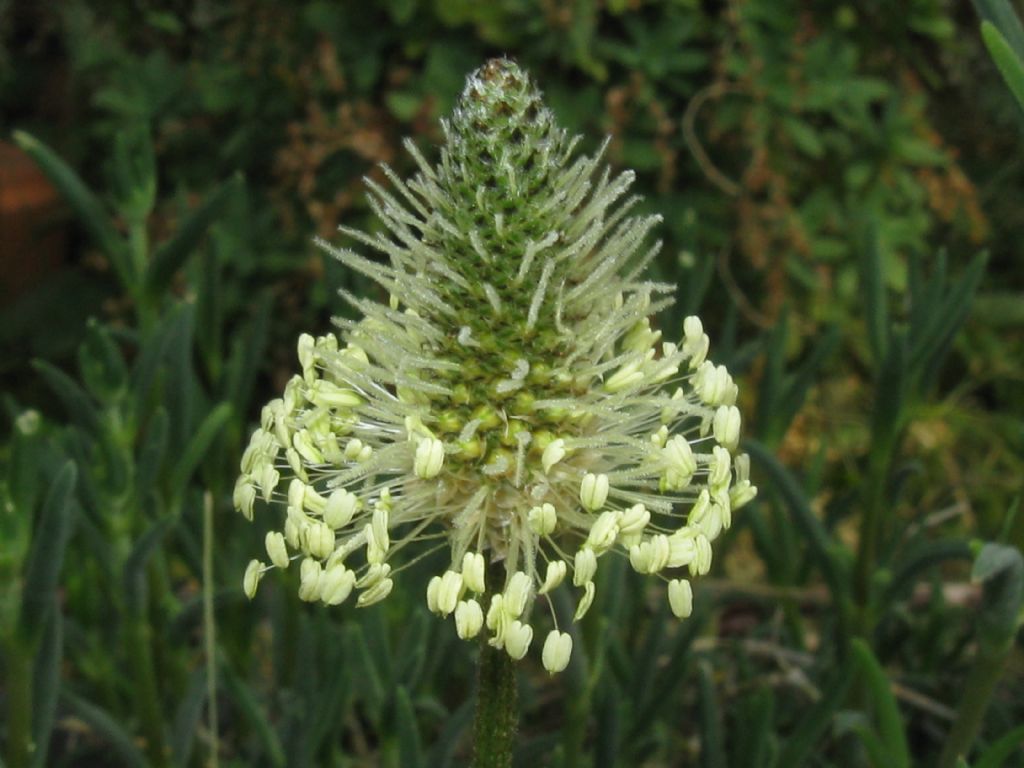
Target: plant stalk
{"type": "Point", "coordinates": [18, 685]}
{"type": "Point", "coordinates": [497, 709]}
{"type": "Point", "coordinates": [981, 684]}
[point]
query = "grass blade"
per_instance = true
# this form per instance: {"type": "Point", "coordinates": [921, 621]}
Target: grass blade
{"type": "Point", "coordinates": [49, 543]}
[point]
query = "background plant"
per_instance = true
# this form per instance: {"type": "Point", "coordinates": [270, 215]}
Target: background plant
{"type": "Point", "coordinates": [811, 161]}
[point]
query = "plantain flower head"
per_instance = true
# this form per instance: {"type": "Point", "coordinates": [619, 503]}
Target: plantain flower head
{"type": "Point", "coordinates": [510, 401]}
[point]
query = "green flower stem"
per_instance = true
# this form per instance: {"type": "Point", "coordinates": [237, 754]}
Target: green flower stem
{"type": "Point", "coordinates": [497, 709]}
{"type": "Point", "coordinates": [18, 686]}
{"type": "Point", "coordinates": [871, 531]}
{"type": "Point", "coordinates": [210, 630]}
{"type": "Point", "coordinates": [497, 706]}
{"type": "Point", "coordinates": [140, 639]}
{"type": "Point", "coordinates": [1000, 569]}
{"type": "Point", "coordinates": [981, 684]}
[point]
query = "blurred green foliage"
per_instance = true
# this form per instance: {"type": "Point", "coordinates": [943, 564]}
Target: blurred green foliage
{"type": "Point", "coordinates": [827, 173]}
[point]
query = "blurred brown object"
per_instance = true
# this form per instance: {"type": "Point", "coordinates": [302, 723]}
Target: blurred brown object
{"type": "Point", "coordinates": [33, 234]}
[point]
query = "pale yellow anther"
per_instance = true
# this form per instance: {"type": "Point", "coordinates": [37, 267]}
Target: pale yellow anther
{"type": "Point", "coordinates": [295, 464]}
{"type": "Point", "coordinates": [473, 568]}
{"type": "Point", "coordinates": [244, 496]}
{"type": "Point", "coordinates": [517, 594]}
{"type": "Point", "coordinates": [429, 458]}
{"type": "Point", "coordinates": [306, 346]}
{"type": "Point", "coordinates": [293, 532]}
{"type": "Point", "coordinates": [326, 394]}
{"type": "Point", "coordinates": [682, 547]}
{"type": "Point", "coordinates": [303, 443]}
{"type": "Point", "coordinates": [680, 463]}
{"type": "Point", "coordinates": [309, 580]}
{"type": "Point", "coordinates": [680, 597]}
{"type": "Point", "coordinates": [557, 650]}
{"type": "Point", "coordinates": [741, 494]}
{"type": "Point", "coordinates": [433, 590]}
{"type": "Point", "coordinates": [626, 377]}
{"type": "Point", "coordinates": [555, 575]}
{"type": "Point", "coordinates": [719, 469]}
{"type": "Point", "coordinates": [336, 584]}
{"type": "Point", "coordinates": [585, 602]}
{"type": "Point", "coordinates": [726, 426]}
{"type": "Point", "coordinates": [553, 454]}
{"type": "Point", "coordinates": [650, 556]}
{"type": "Point", "coordinates": [496, 616]}
{"type": "Point", "coordinates": [517, 639]}
{"type": "Point", "coordinates": [376, 552]}
{"type": "Point", "coordinates": [296, 493]}
{"type": "Point", "coordinates": [251, 580]}
{"type": "Point", "coordinates": [276, 549]}
{"type": "Point", "coordinates": [379, 522]}
{"type": "Point", "coordinates": [584, 567]}
{"type": "Point", "coordinates": [319, 540]}
{"type": "Point", "coordinates": [632, 521]}
{"type": "Point", "coordinates": [340, 507]}
{"type": "Point", "coordinates": [604, 531]}
{"type": "Point", "coordinates": [469, 619]}
{"type": "Point", "coordinates": [542, 519]}
{"type": "Point", "coordinates": [376, 573]}
{"type": "Point", "coordinates": [693, 329]}
{"type": "Point", "coordinates": [660, 437]}
{"type": "Point", "coordinates": [375, 594]}
{"type": "Point", "coordinates": [267, 479]}
{"type": "Point", "coordinates": [594, 491]}
{"type": "Point", "coordinates": [700, 509]}
{"type": "Point", "coordinates": [449, 592]}
{"type": "Point", "coordinates": [701, 563]}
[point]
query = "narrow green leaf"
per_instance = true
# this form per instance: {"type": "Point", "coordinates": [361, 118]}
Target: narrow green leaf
{"type": "Point", "coordinates": [798, 747]}
{"type": "Point", "coordinates": [876, 305]}
{"type": "Point", "coordinates": [135, 565]}
{"type": "Point", "coordinates": [369, 681]}
{"type": "Point", "coordinates": [768, 428]}
{"type": "Point", "coordinates": [915, 561]}
{"type": "Point", "coordinates": [251, 710]}
{"type": "Point", "coordinates": [443, 752]}
{"type": "Point", "coordinates": [1001, 749]}
{"type": "Point", "coordinates": [608, 736]}
{"type": "Point", "coordinates": [46, 682]}
{"type": "Point", "coordinates": [890, 395]}
{"type": "Point", "coordinates": [247, 352]}
{"type": "Point", "coordinates": [197, 447]}
{"type": "Point", "coordinates": [1003, 16]}
{"type": "Point", "coordinates": [49, 542]}
{"type": "Point", "coordinates": [134, 172]}
{"type": "Point", "coordinates": [800, 382]}
{"type": "Point", "coordinates": [887, 711]}
{"type": "Point", "coordinates": [1010, 66]}
{"type": "Point", "coordinates": [412, 648]}
{"type": "Point", "coordinates": [818, 540]}
{"type": "Point", "coordinates": [75, 400]}
{"type": "Point", "coordinates": [410, 750]}
{"type": "Point", "coordinates": [1000, 569]}
{"type": "Point", "coordinates": [877, 750]}
{"type": "Point", "coordinates": [175, 252]}
{"type": "Point", "coordinates": [942, 318]}
{"type": "Point", "coordinates": [100, 363]}
{"type": "Point", "coordinates": [151, 455]}
{"type": "Point", "coordinates": [107, 728]}
{"type": "Point", "coordinates": [186, 719]}
{"type": "Point", "coordinates": [86, 206]}
{"type": "Point", "coordinates": [712, 750]}
{"type": "Point", "coordinates": [753, 739]}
